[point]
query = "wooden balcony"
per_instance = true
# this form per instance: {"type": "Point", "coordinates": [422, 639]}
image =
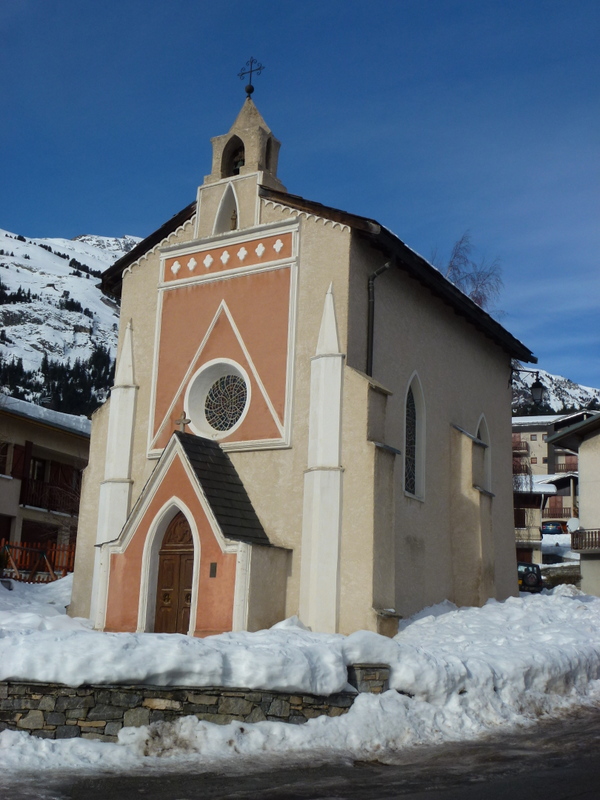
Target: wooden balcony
{"type": "Point", "coordinates": [521, 468]}
{"type": "Point", "coordinates": [573, 466]}
{"type": "Point", "coordinates": [557, 513]}
{"type": "Point", "coordinates": [520, 446]}
{"type": "Point", "coordinates": [586, 541]}
{"type": "Point", "coordinates": [50, 497]}
{"type": "Point", "coordinates": [528, 535]}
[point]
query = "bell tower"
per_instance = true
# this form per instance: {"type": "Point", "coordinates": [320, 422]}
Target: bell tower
{"type": "Point", "coordinates": [249, 147]}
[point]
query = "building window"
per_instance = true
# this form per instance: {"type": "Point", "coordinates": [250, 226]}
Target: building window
{"type": "Point", "coordinates": [414, 440]}
{"type": "Point", "coordinates": [534, 460]}
{"type": "Point", "coordinates": [410, 452]}
{"type": "Point", "coordinates": [545, 437]}
{"type": "Point", "coordinates": [545, 460]}
{"type": "Point", "coordinates": [3, 458]}
{"type": "Point", "coordinates": [534, 437]}
{"type": "Point", "coordinates": [225, 402]}
{"type": "Point", "coordinates": [37, 469]}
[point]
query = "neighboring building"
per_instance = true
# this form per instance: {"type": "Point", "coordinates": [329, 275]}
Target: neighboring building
{"type": "Point", "coordinates": [307, 418]}
{"type": "Point", "coordinates": [583, 437]}
{"type": "Point", "coordinates": [42, 455]}
{"type": "Point", "coordinates": [545, 478]}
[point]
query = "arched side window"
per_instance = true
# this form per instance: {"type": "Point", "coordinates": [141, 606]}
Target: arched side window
{"type": "Point", "coordinates": [414, 440]}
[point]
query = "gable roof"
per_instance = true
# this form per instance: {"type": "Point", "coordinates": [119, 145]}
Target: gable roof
{"type": "Point", "coordinates": [574, 435]}
{"type": "Point", "coordinates": [223, 489]}
{"type": "Point", "coordinates": [391, 247]}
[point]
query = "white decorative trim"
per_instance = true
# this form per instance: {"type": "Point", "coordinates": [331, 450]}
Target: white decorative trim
{"type": "Point", "coordinates": [294, 212]}
{"type": "Point", "coordinates": [242, 253]}
{"type": "Point", "coordinates": [224, 257]}
{"type": "Point", "coordinates": [260, 249]}
{"type": "Point", "coordinates": [172, 450]}
{"type": "Point", "coordinates": [277, 246]}
{"type": "Point", "coordinates": [212, 370]}
{"type": "Point", "coordinates": [192, 264]}
{"type": "Point", "coordinates": [163, 243]}
{"type": "Point", "coordinates": [241, 593]}
{"type": "Point", "coordinates": [175, 267]}
{"type": "Point", "coordinates": [208, 260]}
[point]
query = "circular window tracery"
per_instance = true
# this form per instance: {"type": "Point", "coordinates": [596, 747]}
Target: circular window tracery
{"type": "Point", "coordinates": [225, 402]}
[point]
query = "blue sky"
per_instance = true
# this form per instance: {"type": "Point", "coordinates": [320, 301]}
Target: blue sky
{"type": "Point", "coordinates": [432, 116]}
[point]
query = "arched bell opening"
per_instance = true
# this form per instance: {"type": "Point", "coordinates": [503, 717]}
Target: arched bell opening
{"type": "Point", "coordinates": [234, 157]}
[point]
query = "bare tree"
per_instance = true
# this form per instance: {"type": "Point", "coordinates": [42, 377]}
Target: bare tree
{"type": "Point", "coordinates": [481, 281]}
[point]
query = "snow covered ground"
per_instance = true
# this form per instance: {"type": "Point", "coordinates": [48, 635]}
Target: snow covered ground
{"type": "Point", "coordinates": [455, 674]}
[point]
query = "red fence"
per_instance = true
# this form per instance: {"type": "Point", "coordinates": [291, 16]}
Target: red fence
{"type": "Point", "coordinates": [35, 562]}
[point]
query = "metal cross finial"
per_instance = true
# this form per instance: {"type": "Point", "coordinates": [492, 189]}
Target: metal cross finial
{"type": "Point", "coordinates": [254, 67]}
{"type": "Point", "coordinates": [182, 421]}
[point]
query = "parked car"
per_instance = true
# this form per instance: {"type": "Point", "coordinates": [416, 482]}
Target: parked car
{"type": "Point", "coordinates": [554, 526]}
{"type": "Point", "coordinates": [530, 577]}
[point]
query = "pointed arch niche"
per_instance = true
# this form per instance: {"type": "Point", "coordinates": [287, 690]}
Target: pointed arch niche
{"type": "Point", "coordinates": [227, 218]}
{"type": "Point", "coordinates": [482, 457]}
{"type": "Point", "coordinates": [414, 439]}
{"type": "Point", "coordinates": [166, 521]}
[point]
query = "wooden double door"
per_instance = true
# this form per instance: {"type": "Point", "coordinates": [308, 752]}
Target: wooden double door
{"type": "Point", "coordinates": [175, 574]}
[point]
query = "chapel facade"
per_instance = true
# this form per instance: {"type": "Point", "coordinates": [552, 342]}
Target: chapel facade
{"type": "Point", "coordinates": [307, 418]}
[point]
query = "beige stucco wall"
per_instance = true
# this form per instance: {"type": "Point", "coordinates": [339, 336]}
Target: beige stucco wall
{"type": "Point", "coordinates": [463, 375]}
{"type": "Point", "coordinates": [266, 593]}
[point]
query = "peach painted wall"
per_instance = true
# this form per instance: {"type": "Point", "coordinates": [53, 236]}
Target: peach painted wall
{"type": "Point", "coordinates": [214, 612]}
{"type": "Point", "coordinates": [187, 313]}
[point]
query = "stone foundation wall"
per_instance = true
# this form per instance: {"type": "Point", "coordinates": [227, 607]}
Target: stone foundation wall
{"type": "Point", "coordinates": [53, 711]}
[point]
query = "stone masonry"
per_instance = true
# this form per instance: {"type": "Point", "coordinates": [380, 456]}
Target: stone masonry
{"type": "Point", "coordinates": [54, 711]}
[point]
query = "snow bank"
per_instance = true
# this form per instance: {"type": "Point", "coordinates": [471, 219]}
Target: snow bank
{"type": "Point", "coordinates": [455, 673]}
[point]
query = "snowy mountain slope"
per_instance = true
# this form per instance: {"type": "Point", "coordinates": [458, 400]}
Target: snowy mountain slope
{"type": "Point", "coordinates": [561, 394]}
{"type": "Point", "coordinates": [50, 283]}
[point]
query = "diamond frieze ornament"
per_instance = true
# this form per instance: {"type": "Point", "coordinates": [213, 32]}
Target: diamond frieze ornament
{"type": "Point", "coordinates": [192, 263]}
{"type": "Point", "coordinates": [242, 253]}
{"type": "Point", "coordinates": [278, 245]}
{"type": "Point", "coordinates": [225, 257]}
{"type": "Point", "coordinates": [208, 261]}
{"type": "Point", "coordinates": [260, 249]}
{"type": "Point", "coordinates": [175, 267]}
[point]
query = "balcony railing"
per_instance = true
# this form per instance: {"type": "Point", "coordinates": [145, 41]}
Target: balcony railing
{"type": "Point", "coordinates": [557, 513]}
{"type": "Point", "coordinates": [521, 468]}
{"type": "Point", "coordinates": [585, 540]}
{"type": "Point", "coordinates": [520, 446]}
{"type": "Point", "coordinates": [528, 535]}
{"type": "Point", "coordinates": [50, 497]}
{"type": "Point", "coordinates": [573, 467]}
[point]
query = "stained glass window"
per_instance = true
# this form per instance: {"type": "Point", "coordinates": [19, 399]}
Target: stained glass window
{"type": "Point", "coordinates": [410, 449]}
{"type": "Point", "coordinates": [225, 402]}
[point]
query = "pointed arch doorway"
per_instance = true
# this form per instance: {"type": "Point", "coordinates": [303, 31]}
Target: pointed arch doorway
{"type": "Point", "coordinates": [175, 575]}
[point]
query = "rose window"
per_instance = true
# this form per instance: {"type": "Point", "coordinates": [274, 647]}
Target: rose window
{"type": "Point", "coordinates": [225, 402]}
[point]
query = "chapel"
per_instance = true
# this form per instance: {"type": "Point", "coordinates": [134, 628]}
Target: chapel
{"type": "Point", "coordinates": [307, 419]}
